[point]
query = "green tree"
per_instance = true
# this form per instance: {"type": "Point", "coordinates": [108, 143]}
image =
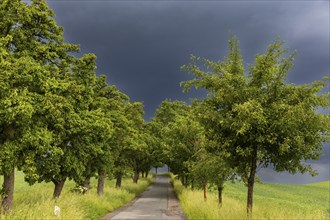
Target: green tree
{"type": "Point", "coordinates": [182, 135]}
{"type": "Point", "coordinates": [129, 141]}
{"type": "Point", "coordinates": [65, 110]}
{"type": "Point", "coordinates": [137, 146]}
{"type": "Point", "coordinates": [165, 114]}
{"type": "Point", "coordinates": [212, 169]}
{"type": "Point", "coordinates": [57, 85]}
{"type": "Point", "coordinates": [155, 146]}
{"type": "Point", "coordinates": [258, 118]}
{"type": "Point", "coordinates": [111, 101]}
{"type": "Point", "coordinates": [214, 164]}
{"type": "Point", "coordinates": [16, 110]}
{"type": "Point", "coordinates": [33, 49]}
{"type": "Point", "coordinates": [192, 151]}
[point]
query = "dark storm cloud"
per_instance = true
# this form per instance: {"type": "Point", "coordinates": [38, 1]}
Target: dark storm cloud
{"type": "Point", "coordinates": [141, 45]}
{"type": "Point", "coordinates": [269, 175]}
{"type": "Point", "coordinates": [321, 166]}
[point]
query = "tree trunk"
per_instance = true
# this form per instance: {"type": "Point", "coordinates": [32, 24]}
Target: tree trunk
{"type": "Point", "coordinates": [7, 193]}
{"type": "Point", "coordinates": [87, 182]}
{"type": "Point", "coordinates": [220, 188]}
{"type": "Point", "coordinates": [182, 180]}
{"type": "Point", "coordinates": [186, 181]}
{"type": "Point", "coordinates": [8, 190]}
{"type": "Point", "coordinates": [118, 180]}
{"type": "Point", "coordinates": [58, 188]}
{"type": "Point", "coordinates": [156, 170]}
{"type": "Point", "coordinates": [136, 176]}
{"type": "Point", "coordinates": [147, 174]}
{"type": "Point", "coordinates": [251, 178]}
{"type": "Point", "coordinates": [142, 174]}
{"type": "Point", "coordinates": [205, 190]}
{"type": "Point", "coordinates": [100, 182]}
{"type": "Point", "coordinates": [88, 174]}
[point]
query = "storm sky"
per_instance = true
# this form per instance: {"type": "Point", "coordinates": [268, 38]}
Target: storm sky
{"type": "Point", "coordinates": [140, 45]}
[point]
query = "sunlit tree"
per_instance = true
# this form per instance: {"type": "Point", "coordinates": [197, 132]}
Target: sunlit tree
{"type": "Point", "coordinates": [259, 118]}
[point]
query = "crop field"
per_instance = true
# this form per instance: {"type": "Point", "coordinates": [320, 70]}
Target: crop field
{"type": "Point", "coordinates": [35, 202]}
{"type": "Point", "coordinates": [271, 201]}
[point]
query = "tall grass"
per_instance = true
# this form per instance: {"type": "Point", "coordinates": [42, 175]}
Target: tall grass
{"type": "Point", "coordinates": [271, 201]}
{"type": "Point", "coordinates": [35, 202]}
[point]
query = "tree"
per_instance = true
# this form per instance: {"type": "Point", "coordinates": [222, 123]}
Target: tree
{"type": "Point", "coordinates": [211, 169]}
{"type": "Point", "coordinates": [214, 166]}
{"type": "Point", "coordinates": [257, 117]}
{"type": "Point", "coordinates": [155, 146]}
{"type": "Point", "coordinates": [55, 139]}
{"type": "Point", "coordinates": [188, 140]}
{"type": "Point", "coordinates": [192, 150]}
{"type": "Point", "coordinates": [64, 109]}
{"type": "Point", "coordinates": [111, 101]}
{"type": "Point", "coordinates": [137, 145]}
{"type": "Point", "coordinates": [166, 114]}
{"type": "Point", "coordinates": [129, 141]}
{"type": "Point", "coordinates": [183, 136]}
{"type": "Point", "coordinates": [22, 27]}
{"type": "Point", "coordinates": [32, 47]}
{"type": "Point", "coordinates": [16, 109]}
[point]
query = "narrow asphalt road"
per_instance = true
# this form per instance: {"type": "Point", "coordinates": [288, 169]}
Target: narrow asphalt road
{"type": "Point", "coordinates": [157, 202]}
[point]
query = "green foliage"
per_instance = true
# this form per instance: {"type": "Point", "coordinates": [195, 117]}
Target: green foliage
{"type": "Point", "coordinates": [186, 144]}
{"type": "Point", "coordinates": [35, 107]}
{"type": "Point", "coordinates": [58, 119]}
{"type": "Point", "coordinates": [130, 139]}
{"type": "Point", "coordinates": [34, 32]}
{"type": "Point", "coordinates": [177, 144]}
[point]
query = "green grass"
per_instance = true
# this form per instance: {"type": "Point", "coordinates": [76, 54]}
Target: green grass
{"type": "Point", "coordinates": [271, 201]}
{"type": "Point", "coordinates": [35, 202]}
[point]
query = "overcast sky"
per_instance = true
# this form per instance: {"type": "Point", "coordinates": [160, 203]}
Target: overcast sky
{"type": "Point", "coordinates": [140, 45]}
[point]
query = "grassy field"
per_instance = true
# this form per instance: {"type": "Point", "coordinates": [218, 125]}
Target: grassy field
{"type": "Point", "coordinates": [34, 202]}
{"type": "Point", "coordinates": [271, 201]}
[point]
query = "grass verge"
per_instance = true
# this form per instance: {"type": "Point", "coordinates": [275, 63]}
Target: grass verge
{"type": "Point", "coordinates": [271, 201]}
{"type": "Point", "coordinates": [34, 202]}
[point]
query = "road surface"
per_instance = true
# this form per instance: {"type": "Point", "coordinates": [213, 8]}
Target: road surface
{"type": "Point", "coordinates": [157, 202]}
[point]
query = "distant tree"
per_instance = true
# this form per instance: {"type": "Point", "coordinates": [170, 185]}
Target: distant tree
{"type": "Point", "coordinates": [166, 114]}
{"type": "Point", "coordinates": [138, 149]}
{"type": "Point", "coordinates": [188, 143]}
{"type": "Point", "coordinates": [212, 169]}
{"type": "Point", "coordinates": [155, 146]}
{"type": "Point", "coordinates": [184, 137]}
{"type": "Point", "coordinates": [257, 117]}
{"type": "Point", "coordinates": [192, 150]}
{"type": "Point", "coordinates": [214, 166]}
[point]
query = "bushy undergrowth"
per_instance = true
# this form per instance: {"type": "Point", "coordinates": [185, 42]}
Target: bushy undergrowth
{"type": "Point", "coordinates": [271, 201]}
{"type": "Point", "coordinates": [35, 202]}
